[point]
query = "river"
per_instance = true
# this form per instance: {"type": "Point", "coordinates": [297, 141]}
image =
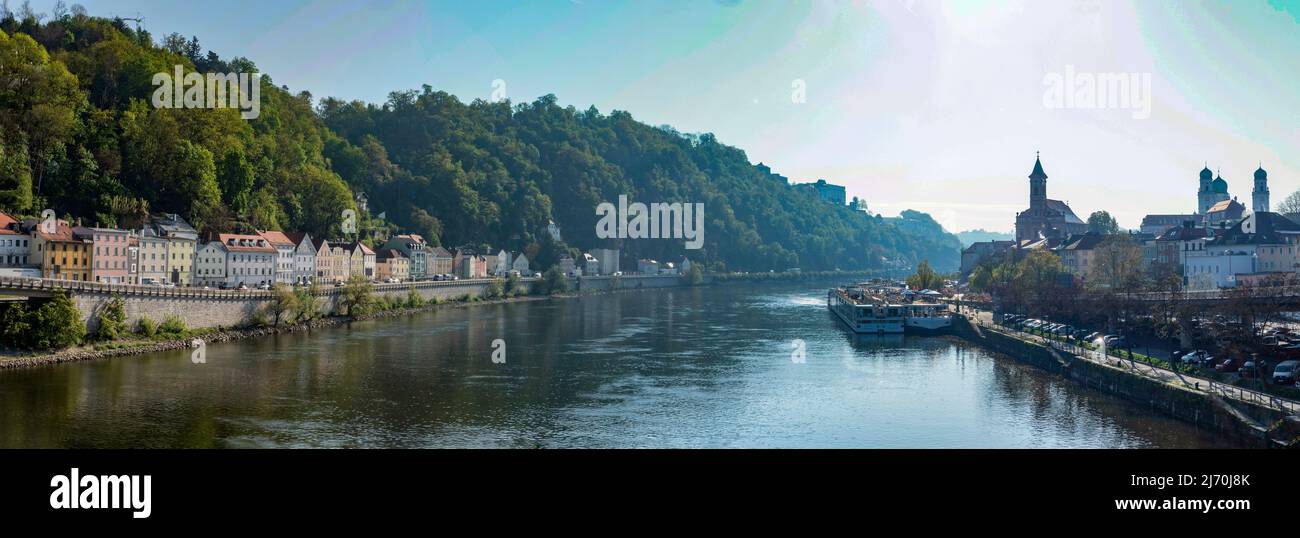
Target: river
{"type": "Point", "coordinates": [699, 367]}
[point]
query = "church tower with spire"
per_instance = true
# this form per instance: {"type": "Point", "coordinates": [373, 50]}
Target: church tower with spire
{"type": "Point", "coordinates": [1045, 218]}
{"type": "Point", "coordinates": [1259, 196]}
{"type": "Point", "coordinates": [1037, 185]}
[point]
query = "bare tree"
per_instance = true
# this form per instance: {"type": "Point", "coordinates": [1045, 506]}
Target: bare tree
{"type": "Point", "coordinates": [1290, 205]}
{"type": "Point", "coordinates": [1171, 311]}
{"type": "Point", "coordinates": [1115, 274]}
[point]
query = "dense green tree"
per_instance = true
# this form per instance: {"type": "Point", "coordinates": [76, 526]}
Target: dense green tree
{"type": "Point", "coordinates": [283, 305]}
{"type": "Point", "coordinates": [496, 288]}
{"type": "Point", "coordinates": [15, 178]}
{"type": "Point", "coordinates": [925, 278]}
{"type": "Point", "coordinates": [357, 296]}
{"type": "Point", "coordinates": [57, 324]}
{"type": "Point", "coordinates": [1100, 222]}
{"type": "Point", "coordinates": [307, 303]}
{"type": "Point", "coordinates": [78, 132]}
{"type": "Point", "coordinates": [554, 281]}
{"type": "Point", "coordinates": [235, 177]}
{"type": "Point", "coordinates": [15, 325]}
{"type": "Point", "coordinates": [112, 319]}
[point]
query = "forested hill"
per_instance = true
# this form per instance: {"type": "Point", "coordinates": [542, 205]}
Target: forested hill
{"type": "Point", "coordinates": [80, 135]}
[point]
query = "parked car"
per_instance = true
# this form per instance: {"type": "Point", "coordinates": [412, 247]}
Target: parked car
{"type": "Point", "coordinates": [1193, 357]}
{"type": "Point", "coordinates": [1247, 369]}
{"type": "Point", "coordinates": [1228, 365]}
{"type": "Point", "coordinates": [1286, 373]}
{"type": "Point", "coordinates": [338, 283]}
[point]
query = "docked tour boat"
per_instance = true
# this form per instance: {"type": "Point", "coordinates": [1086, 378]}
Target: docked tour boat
{"type": "Point", "coordinates": [874, 310]}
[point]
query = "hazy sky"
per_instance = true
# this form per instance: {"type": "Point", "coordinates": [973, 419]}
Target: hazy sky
{"type": "Point", "coordinates": [934, 106]}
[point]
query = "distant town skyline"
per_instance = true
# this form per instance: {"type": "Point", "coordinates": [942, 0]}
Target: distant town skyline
{"type": "Point", "coordinates": [909, 104]}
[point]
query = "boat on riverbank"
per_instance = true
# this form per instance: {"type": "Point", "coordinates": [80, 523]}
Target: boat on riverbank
{"type": "Point", "coordinates": [868, 309]}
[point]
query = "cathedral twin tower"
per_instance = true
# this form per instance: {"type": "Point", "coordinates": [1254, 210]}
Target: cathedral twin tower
{"type": "Point", "coordinates": [1215, 190]}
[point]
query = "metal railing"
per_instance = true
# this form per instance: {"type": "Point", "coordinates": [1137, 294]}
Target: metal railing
{"type": "Point", "coordinates": [144, 290]}
{"type": "Point", "coordinates": [1155, 372]}
{"type": "Point", "coordinates": [78, 286]}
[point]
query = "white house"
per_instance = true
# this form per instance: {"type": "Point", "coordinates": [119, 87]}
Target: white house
{"type": "Point", "coordinates": [1261, 243]}
{"type": "Point", "coordinates": [210, 264]}
{"type": "Point", "coordinates": [251, 260]}
{"type": "Point", "coordinates": [590, 265]}
{"type": "Point", "coordinates": [608, 261]}
{"type": "Point", "coordinates": [235, 259]}
{"type": "Point", "coordinates": [1218, 268]}
{"type": "Point", "coordinates": [519, 263]}
{"type": "Point", "coordinates": [285, 249]}
{"type": "Point", "coordinates": [152, 263]}
{"type": "Point", "coordinates": [304, 258]}
{"type": "Point", "coordinates": [15, 244]}
{"type": "Point", "coordinates": [503, 263]}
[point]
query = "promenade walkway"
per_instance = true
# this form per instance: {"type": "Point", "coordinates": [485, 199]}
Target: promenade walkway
{"type": "Point", "coordinates": [984, 320]}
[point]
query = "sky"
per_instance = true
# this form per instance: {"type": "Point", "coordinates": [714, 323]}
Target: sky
{"type": "Point", "coordinates": [910, 104]}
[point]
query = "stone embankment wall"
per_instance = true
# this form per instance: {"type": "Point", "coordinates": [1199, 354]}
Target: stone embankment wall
{"type": "Point", "coordinates": [1243, 421]}
{"type": "Point", "coordinates": [200, 308]}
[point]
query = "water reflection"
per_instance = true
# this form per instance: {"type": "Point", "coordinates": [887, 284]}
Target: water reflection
{"type": "Point", "coordinates": [701, 367]}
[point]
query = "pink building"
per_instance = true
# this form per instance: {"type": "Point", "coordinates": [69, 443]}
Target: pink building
{"type": "Point", "coordinates": [110, 260]}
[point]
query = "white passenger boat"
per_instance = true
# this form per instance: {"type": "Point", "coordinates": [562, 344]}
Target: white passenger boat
{"type": "Point", "coordinates": [870, 310]}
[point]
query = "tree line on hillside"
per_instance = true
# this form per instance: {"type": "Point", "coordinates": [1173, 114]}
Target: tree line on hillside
{"type": "Point", "coordinates": [78, 134]}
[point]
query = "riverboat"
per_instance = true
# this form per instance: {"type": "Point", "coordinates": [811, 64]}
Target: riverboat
{"type": "Point", "coordinates": [872, 310]}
